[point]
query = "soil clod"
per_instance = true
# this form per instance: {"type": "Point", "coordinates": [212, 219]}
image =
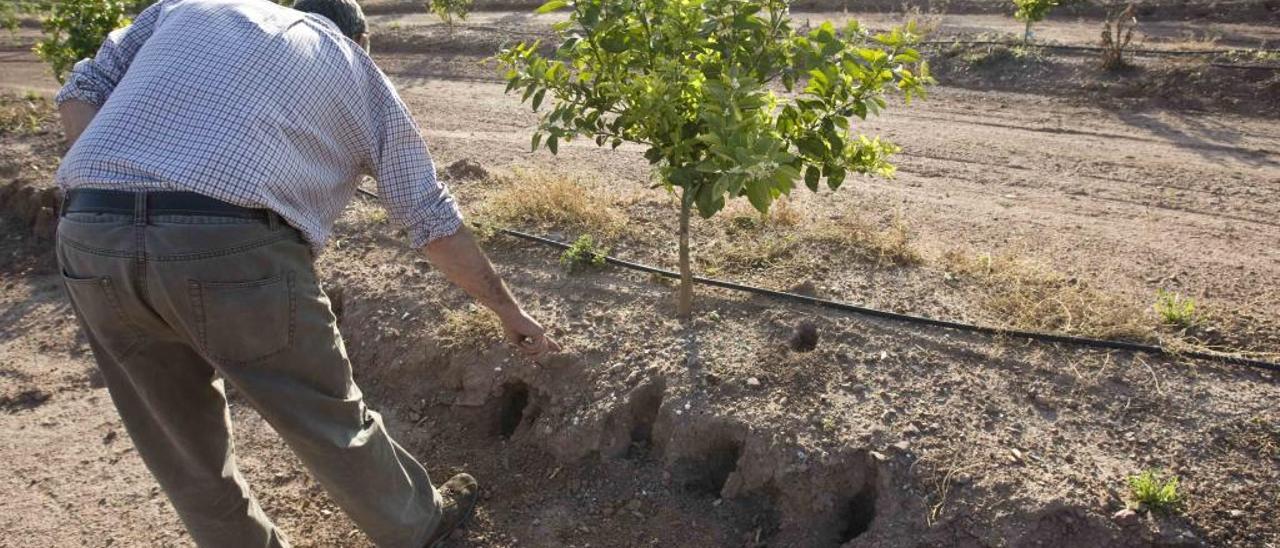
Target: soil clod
{"type": "Point", "coordinates": [805, 337]}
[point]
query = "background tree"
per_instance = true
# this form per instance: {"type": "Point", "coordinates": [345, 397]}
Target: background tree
{"type": "Point", "coordinates": [697, 83]}
{"type": "Point", "coordinates": [447, 10]}
{"type": "Point", "coordinates": [1032, 11]}
{"type": "Point", "coordinates": [75, 29]}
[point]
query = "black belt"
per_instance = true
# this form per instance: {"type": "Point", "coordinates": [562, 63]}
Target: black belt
{"type": "Point", "coordinates": [88, 200]}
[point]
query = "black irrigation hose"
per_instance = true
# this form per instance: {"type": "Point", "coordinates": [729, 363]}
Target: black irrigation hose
{"type": "Point", "coordinates": [1092, 48]}
{"type": "Point", "coordinates": [1155, 350]}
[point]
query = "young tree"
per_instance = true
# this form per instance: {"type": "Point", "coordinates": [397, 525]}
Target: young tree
{"type": "Point", "coordinates": [447, 10]}
{"type": "Point", "coordinates": [74, 29]}
{"type": "Point", "coordinates": [1032, 11]}
{"type": "Point", "coordinates": [697, 82]}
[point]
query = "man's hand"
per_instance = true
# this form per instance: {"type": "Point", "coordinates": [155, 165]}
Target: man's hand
{"type": "Point", "coordinates": [463, 263]}
{"type": "Point", "coordinates": [529, 336]}
{"type": "Point", "coordinates": [76, 116]}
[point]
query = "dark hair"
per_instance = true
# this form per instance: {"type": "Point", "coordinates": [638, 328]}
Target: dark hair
{"type": "Point", "coordinates": [344, 13]}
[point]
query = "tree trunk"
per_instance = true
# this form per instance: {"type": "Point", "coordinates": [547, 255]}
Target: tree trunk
{"type": "Point", "coordinates": [684, 306]}
{"type": "Point", "coordinates": [1026, 33]}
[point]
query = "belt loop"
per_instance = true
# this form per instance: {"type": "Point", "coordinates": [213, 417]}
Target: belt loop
{"type": "Point", "coordinates": [273, 220]}
{"type": "Point", "coordinates": [62, 206]}
{"type": "Point", "coordinates": [140, 208]}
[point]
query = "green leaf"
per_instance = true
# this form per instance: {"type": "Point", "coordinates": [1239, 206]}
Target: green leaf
{"type": "Point", "coordinates": [537, 140]}
{"type": "Point", "coordinates": [537, 98]}
{"type": "Point", "coordinates": [553, 144]}
{"type": "Point", "coordinates": [758, 193]}
{"type": "Point", "coordinates": [811, 176]}
{"type": "Point", "coordinates": [835, 176]}
{"type": "Point", "coordinates": [551, 6]}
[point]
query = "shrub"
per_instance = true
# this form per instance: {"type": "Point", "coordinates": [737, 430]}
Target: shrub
{"type": "Point", "coordinates": [1175, 310]}
{"type": "Point", "coordinates": [1117, 31]}
{"type": "Point", "coordinates": [1153, 492]}
{"type": "Point", "coordinates": [690, 80]}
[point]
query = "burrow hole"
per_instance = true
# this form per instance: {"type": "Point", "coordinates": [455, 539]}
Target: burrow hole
{"type": "Point", "coordinates": [515, 408]}
{"type": "Point", "coordinates": [858, 513]}
{"type": "Point", "coordinates": [707, 475]}
{"type": "Point", "coordinates": [645, 402]}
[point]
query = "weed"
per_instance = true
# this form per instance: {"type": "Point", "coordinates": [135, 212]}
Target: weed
{"type": "Point", "coordinates": [743, 218]}
{"type": "Point", "coordinates": [1175, 310]}
{"type": "Point", "coordinates": [804, 247]}
{"type": "Point", "coordinates": [1153, 492]}
{"type": "Point", "coordinates": [553, 201]}
{"type": "Point", "coordinates": [998, 55]}
{"type": "Point", "coordinates": [471, 328]}
{"type": "Point", "coordinates": [583, 254]}
{"type": "Point", "coordinates": [892, 245]}
{"type": "Point", "coordinates": [1032, 296]}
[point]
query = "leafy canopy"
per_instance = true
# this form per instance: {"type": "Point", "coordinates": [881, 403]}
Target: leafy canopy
{"type": "Point", "coordinates": [74, 29]}
{"type": "Point", "coordinates": [700, 84]}
{"type": "Point", "coordinates": [447, 10]}
{"type": "Point", "coordinates": [1033, 11]}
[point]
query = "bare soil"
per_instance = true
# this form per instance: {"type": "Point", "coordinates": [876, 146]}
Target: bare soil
{"type": "Point", "coordinates": [650, 432]}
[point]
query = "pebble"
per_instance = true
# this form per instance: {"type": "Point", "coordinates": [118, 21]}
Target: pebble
{"type": "Point", "coordinates": [1125, 517]}
{"type": "Point", "coordinates": [753, 382]}
{"type": "Point", "coordinates": [903, 446]}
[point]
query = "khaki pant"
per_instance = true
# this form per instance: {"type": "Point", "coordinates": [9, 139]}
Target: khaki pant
{"type": "Point", "coordinates": [172, 305]}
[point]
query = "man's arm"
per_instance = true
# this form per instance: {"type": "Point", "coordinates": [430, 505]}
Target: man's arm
{"type": "Point", "coordinates": [76, 116]}
{"type": "Point", "coordinates": [91, 81]}
{"type": "Point", "coordinates": [462, 262]}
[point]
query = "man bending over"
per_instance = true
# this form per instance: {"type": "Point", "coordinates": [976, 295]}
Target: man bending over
{"type": "Point", "coordinates": [215, 142]}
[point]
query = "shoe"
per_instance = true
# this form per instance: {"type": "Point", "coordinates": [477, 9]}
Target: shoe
{"type": "Point", "coordinates": [460, 494]}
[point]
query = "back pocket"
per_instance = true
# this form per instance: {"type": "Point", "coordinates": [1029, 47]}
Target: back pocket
{"type": "Point", "coordinates": [242, 322]}
{"type": "Point", "coordinates": [98, 306]}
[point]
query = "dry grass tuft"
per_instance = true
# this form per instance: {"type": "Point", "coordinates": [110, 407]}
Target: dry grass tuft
{"type": "Point", "coordinates": [368, 212]}
{"type": "Point", "coordinates": [740, 216]}
{"type": "Point", "coordinates": [550, 200]}
{"type": "Point", "coordinates": [1031, 296]}
{"type": "Point", "coordinates": [24, 115]}
{"type": "Point", "coordinates": [470, 328]}
{"type": "Point", "coordinates": [788, 244]}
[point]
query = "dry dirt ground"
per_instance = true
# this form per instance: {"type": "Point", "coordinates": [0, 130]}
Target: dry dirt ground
{"type": "Point", "coordinates": [1013, 206]}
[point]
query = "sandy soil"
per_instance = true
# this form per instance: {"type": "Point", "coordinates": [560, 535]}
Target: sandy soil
{"type": "Point", "coordinates": [654, 433]}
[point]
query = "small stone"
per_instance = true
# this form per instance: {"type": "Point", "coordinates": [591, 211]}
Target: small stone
{"type": "Point", "coordinates": [903, 446]}
{"type": "Point", "coordinates": [753, 382]}
{"type": "Point", "coordinates": [1235, 513]}
{"type": "Point", "coordinates": [1125, 517]}
{"type": "Point", "coordinates": [963, 478]}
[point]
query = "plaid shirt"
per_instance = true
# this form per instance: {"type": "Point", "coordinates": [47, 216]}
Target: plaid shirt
{"type": "Point", "coordinates": [254, 104]}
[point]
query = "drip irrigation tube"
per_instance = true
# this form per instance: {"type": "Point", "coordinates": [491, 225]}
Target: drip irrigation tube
{"type": "Point", "coordinates": [1138, 51]}
{"type": "Point", "coordinates": [1155, 350]}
